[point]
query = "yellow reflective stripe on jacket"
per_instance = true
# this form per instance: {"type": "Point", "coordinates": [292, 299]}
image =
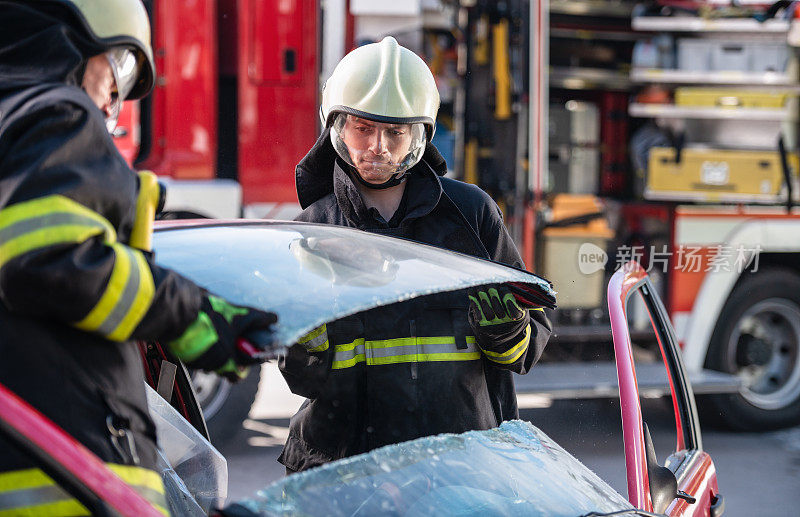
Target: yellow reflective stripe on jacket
{"type": "Point", "coordinates": [127, 297]}
{"type": "Point", "coordinates": [514, 353]}
{"type": "Point", "coordinates": [316, 340]}
{"type": "Point", "coordinates": [349, 354]}
{"type": "Point", "coordinates": [386, 343]}
{"type": "Point", "coordinates": [404, 350]}
{"type": "Point", "coordinates": [48, 221]}
{"type": "Point", "coordinates": [53, 220]}
{"type": "Point", "coordinates": [146, 482]}
{"type": "Point", "coordinates": [59, 508]}
{"type": "Point", "coordinates": [31, 492]}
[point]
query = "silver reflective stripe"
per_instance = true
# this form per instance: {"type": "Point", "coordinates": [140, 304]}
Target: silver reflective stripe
{"type": "Point", "coordinates": [427, 348]}
{"type": "Point", "coordinates": [53, 219]}
{"type": "Point", "coordinates": [20, 499]}
{"type": "Point", "coordinates": [28, 497]}
{"type": "Point", "coordinates": [370, 351]}
{"type": "Point", "coordinates": [317, 342]}
{"type": "Point", "coordinates": [345, 355]}
{"type": "Point", "coordinates": [125, 302]}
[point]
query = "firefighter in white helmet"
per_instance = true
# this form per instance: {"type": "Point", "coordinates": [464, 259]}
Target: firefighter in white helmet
{"type": "Point", "coordinates": [438, 364]}
{"type": "Point", "coordinates": [74, 295]}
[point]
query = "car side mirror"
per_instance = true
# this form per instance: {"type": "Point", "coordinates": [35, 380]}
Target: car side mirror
{"type": "Point", "coordinates": [663, 483]}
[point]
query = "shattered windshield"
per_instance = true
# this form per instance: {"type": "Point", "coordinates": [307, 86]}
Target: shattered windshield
{"type": "Point", "coordinates": [513, 470]}
{"type": "Point", "coordinates": [313, 274]}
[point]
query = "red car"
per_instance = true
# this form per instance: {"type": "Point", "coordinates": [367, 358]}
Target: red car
{"type": "Point", "coordinates": [512, 470]}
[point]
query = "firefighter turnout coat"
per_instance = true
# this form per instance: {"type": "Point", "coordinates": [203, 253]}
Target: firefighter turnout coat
{"type": "Point", "coordinates": [73, 295]}
{"type": "Point", "coordinates": [409, 370]}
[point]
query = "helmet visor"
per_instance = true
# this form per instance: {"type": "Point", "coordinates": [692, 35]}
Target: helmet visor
{"type": "Point", "coordinates": [378, 150]}
{"type": "Point", "coordinates": [126, 72]}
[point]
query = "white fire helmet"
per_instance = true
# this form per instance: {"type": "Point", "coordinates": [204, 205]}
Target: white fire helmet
{"type": "Point", "coordinates": [390, 86]}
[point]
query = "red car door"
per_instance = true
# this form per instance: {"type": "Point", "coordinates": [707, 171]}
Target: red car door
{"type": "Point", "coordinates": [686, 486]}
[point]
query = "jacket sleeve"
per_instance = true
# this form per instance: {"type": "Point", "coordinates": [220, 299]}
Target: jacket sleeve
{"type": "Point", "coordinates": [65, 193]}
{"type": "Point", "coordinates": [307, 364]}
{"type": "Point", "coordinates": [495, 236]}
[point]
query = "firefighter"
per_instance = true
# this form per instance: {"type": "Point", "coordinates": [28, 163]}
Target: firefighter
{"type": "Point", "coordinates": [73, 293]}
{"type": "Point", "coordinates": [433, 365]}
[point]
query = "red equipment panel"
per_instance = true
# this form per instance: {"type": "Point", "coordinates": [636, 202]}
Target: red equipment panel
{"type": "Point", "coordinates": [274, 55]}
{"type": "Point", "coordinates": [278, 94]}
{"type": "Point", "coordinates": [614, 135]}
{"type": "Point", "coordinates": [184, 127]}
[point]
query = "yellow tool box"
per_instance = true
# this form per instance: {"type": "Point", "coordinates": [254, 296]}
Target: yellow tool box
{"type": "Point", "coordinates": [714, 175]}
{"type": "Point", "coordinates": [729, 98]}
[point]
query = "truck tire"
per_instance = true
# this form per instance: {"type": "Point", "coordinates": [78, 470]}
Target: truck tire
{"type": "Point", "coordinates": [757, 338]}
{"type": "Point", "coordinates": [225, 405]}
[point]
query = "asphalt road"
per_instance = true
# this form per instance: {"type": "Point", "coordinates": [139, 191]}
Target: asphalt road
{"type": "Point", "coordinates": [758, 473]}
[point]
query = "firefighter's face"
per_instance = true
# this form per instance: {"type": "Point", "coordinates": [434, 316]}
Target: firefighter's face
{"type": "Point", "coordinates": [99, 84]}
{"type": "Point", "coordinates": [376, 148]}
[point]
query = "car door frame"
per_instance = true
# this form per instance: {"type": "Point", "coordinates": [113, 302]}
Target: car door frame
{"type": "Point", "coordinates": [695, 471]}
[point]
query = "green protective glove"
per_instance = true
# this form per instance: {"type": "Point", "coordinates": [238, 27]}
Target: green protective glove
{"type": "Point", "coordinates": [496, 317]}
{"type": "Point", "coordinates": [226, 338]}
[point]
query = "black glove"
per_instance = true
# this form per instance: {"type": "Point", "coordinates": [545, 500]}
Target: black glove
{"type": "Point", "coordinates": [226, 338]}
{"type": "Point", "coordinates": [496, 318]}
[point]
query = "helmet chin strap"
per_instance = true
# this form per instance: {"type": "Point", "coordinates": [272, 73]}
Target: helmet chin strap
{"type": "Point", "coordinates": [391, 182]}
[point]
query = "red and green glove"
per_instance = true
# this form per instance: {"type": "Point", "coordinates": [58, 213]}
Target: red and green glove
{"type": "Point", "coordinates": [226, 338]}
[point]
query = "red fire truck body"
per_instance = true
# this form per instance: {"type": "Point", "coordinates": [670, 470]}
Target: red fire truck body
{"type": "Point", "coordinates": [234, 106]}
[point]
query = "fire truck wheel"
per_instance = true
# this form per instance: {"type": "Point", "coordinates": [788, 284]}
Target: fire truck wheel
{"type": "Point", "coordinates": [757, 338]}
{"type": "Point", "coordinates": [225, 405]}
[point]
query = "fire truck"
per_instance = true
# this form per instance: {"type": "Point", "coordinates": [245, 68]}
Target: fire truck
{"type": "Point", "coordinates": [605, 131]}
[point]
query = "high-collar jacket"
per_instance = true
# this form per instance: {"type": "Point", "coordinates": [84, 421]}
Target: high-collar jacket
{"type": "Point", "coordinates": [373, 400]}
{"type": "Point", "coordinates": [73, 295]}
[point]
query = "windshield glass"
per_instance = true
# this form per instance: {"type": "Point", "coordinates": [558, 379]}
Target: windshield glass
{"type": "Point", "coordinates": [313, 274]}
{"type": "Point", "coordinates": [513, 470]}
